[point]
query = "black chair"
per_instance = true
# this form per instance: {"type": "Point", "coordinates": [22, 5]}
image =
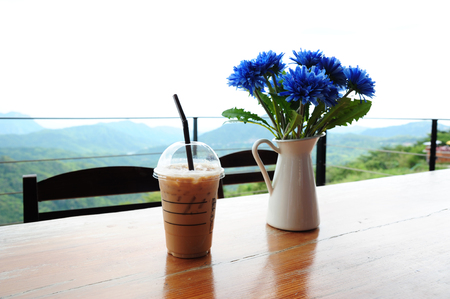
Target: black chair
{"type": "Point", "coordinates": [245, 159]}
{"type": "Point", "coordinates": [103, 181]}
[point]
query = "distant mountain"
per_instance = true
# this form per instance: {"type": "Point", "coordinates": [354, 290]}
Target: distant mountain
{"type": "Point", "coordinates": [140, 130]}
{"type": "Point", "coordinates": [17, 126]}
{"type": "Point", "coordinates": [234, 135]}
{"type": "Point", "coordinates": [355, 129]}
{"type": "Point", "coordinates": [163, 135]}
{"type": "Point", "coordinates": [415, 129]}
{"type": "Point", "coordinates": [119, 137]}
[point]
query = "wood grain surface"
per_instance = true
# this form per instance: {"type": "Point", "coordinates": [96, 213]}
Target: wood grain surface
{"type": "Point", "coordinates": [380, 238]}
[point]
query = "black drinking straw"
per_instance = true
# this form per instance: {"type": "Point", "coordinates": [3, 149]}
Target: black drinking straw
{"type": "Point", "coordinates": [186, 132]}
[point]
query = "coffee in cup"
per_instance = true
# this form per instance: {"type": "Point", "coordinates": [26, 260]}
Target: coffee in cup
{"type": "Point", "coordinates": [188, 198]}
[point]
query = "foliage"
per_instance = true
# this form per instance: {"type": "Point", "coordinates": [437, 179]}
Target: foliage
{"type": "Point", "coordinates": [244, 189]}
{"type": "Point", "coordinates": [151, 197]}
{"type": "Point", "coordinates": [443, 136]}
{"type": "Point", "coordinates": [287, 96]}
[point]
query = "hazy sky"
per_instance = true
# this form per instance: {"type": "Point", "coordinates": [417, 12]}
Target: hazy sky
{"type": "Point", "coordinates": [126, 58]}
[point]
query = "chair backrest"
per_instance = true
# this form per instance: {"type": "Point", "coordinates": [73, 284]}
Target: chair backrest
{"type": "Point", "coordinates": [102, 181]}
{"type": "Point", "coordinates": [244, 159]}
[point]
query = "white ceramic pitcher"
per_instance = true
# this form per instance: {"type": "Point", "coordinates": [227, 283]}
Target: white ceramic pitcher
{"type": "Point", "coordinates": [292, 201]}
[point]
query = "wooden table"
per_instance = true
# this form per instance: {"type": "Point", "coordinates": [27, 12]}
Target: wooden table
{"type": "Point", "coordinates": [380, 238]}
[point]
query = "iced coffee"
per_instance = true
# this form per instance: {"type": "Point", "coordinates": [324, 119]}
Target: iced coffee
{"type": "Point", "coordinates": [189, 201]}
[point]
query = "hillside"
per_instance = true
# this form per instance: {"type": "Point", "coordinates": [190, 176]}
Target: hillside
{"type": "Point", "coordinates": [17, 126]}
{"type": "Point", "coordinates": [416, 129]}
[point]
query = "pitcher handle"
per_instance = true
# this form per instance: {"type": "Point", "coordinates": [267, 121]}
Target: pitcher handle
{"type": "Point", "coordinates": [261, 164]}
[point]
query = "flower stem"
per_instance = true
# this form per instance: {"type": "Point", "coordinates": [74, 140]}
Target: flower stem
{"type": "Point", "coordinates": [300, 126]}
{"type": "Point", "coordinates": [275, 124]}
{"type": "Point", "coordinates": [280, 114]}
{"type": "Point", "coordinates": [274, 79]}
{"type": "Point", "coordinates": [348, 92]}
{"type": "Point", "coordinates": [269, 85]}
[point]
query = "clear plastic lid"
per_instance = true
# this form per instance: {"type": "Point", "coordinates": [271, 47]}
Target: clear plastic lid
{"type": "Point", "coordinates": [173, 161]}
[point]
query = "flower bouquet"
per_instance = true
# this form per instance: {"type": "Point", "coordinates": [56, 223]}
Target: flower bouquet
{"type": "Point", "coordinates": [287, 94]}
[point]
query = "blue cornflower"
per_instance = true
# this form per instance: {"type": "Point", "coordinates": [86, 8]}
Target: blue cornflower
{"type": "Point", "coordinates": [360, 82]}
{"type": "Point", "coordinates": [270, 62]}
{"type": "Point", "coordinates": [307, 58]}
{"type": "Point", "coordinates": [334, 70]}
{"type": "Point", "coordinates": [247, 75]}
{"type": "Point", "coordinates": [311, 85]}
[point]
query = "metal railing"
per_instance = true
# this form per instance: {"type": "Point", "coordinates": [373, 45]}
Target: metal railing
{"type": "Point", "coordinates": [321, 150]}
{"type": "Point", "coordinates": [321, 147]}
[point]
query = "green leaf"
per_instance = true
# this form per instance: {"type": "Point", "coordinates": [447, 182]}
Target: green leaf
{"type": "Point", "coordinates": [282, 110]}
{"type": "Point", "coordinates": [342, 114]}
{"type": "Point", "coordinates": [243, 116]}
{"type": "Point", "coordinates": [354, 111]}
{"type": "Point", "coordinates": [295, 120]}
{"type": "Point", "coordinates": [313, 119]}
{"type": "Point", "coordinates": [272, 109]}
{"type": "Point", "coordinates": [281, 102]}
{"type": "Point", "coordinates": [240, 115]}
{"type": "Point", "coordinates": [268, 102]}
{"type": "Point", "coordinates": [306, 111]}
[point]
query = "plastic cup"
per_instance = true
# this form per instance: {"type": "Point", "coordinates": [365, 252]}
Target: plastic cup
{"type": "Point", "coordinates": [188, 198]}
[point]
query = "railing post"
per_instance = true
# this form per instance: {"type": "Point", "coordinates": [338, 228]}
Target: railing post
{"type": "Point", "coordinates": [195, 129]}
{"type": "Point", "coordinates": [432, 162]}
{"type": "Point", "coordinates": [30, 200]}
{"type": "Point", "coordinates": [321, 160]}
